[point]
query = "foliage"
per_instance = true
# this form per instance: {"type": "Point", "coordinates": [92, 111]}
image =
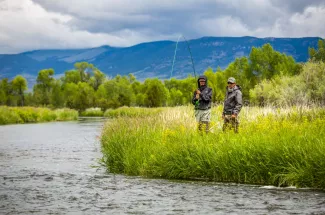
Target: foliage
{"type": "Point", "coordinates": [265, 76]}
{"type": "Point", "coordinates": [7, 116]}
{"type": "Point", "coordinates": [19, 85]}
{"type": "Point", "coordinates": [155, 93]}
{"type": "Point", "coordinates": [307, 88]}
{"type": "Point", "coordinates": [318, 55]}
{"type": "Point", "coordinates": [42, 89]}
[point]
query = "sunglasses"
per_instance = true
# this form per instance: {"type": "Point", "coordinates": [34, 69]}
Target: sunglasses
{"type": "Point", "coordinates": [230, 83]}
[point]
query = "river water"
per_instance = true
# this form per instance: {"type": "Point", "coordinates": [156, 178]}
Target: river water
{"type": "Point", "coordinates": [49, 168]}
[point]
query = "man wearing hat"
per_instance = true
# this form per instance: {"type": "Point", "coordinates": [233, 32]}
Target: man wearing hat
{"type": "Point", "coordinates": [232, 105]}
{"type": "Point", "coordinates": [202, 100]}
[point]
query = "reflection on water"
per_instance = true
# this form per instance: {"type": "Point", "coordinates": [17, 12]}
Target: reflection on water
{"type": "Point", "coordinates": [46, 169]}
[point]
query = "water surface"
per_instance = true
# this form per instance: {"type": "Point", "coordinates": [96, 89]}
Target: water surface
{"type": "Point", "coordinates": [47, 168]}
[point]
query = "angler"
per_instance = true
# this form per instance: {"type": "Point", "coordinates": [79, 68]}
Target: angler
{"type": "Point", "coordinates": [202, 100]}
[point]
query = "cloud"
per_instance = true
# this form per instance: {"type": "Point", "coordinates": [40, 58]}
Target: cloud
{"type": "Point", "coordinates": [297, 6]}
{"type": "Point", "coordinates": [25, 26]}
{"type": "Point", "coordinates": [40, 24]}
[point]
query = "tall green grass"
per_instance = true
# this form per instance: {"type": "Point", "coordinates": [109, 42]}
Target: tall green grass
{"type": "Point", "coordinates": [92, 112]}
{"type": "Point", "coordinates": [131, 112]}
{"type": "Point", "coordinates": [12, 115]}
{"type": "Point", "coordinates": [281, 147]}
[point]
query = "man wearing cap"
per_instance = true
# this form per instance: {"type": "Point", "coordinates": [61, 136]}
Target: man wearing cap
{"type": "Point", "coordinates": [202, 100]}
{"type": "Point", "coordinates": [232, 105]}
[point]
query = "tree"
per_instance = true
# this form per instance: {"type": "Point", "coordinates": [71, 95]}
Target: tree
{"type": "Point", "coordinates": [84, 70]}
{"type": "Point", "coordinates": [19, 85]}
{"type": "Point", "coordinates": [155, 93]}
{"type": "Point", "coordinates": [3, 91]}
{"type": "Point", "coordinates": [182, 89]}
{"type": "Point", "coordinates": [318, 55]}
{"type": "Point", "coordinates": [85, 96]}
{"type": "Point", "coordinates": [265, 63]}
{"type": "Point", "coordinates": [3, 97]}
{"type": "Point", "coordinates": [176, 97]}
{"type": "Point", "coordinates": [97, 79]}
{"type": "Point", "coordinates": [72, 76]}
{"type": "Point", "coordinates": [44, 86]}
{"type": "Point", "coordinates": [29, 99]}
{"type": "Point", "coordinates": [100, 97]}
{"type": "Point", "coordinates": [112, 93]}
{"type": "Point", "coordinates": [140, 97]}
{"type": "Point", "coordinates": [8, 98]}
{"type": "Point", "coordinates": [70, 93]}
{"type": "Point", "coordinates": [57, 97]}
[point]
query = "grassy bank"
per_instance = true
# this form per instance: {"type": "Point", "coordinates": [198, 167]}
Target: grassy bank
{"type": "Point", "coordinates": [132, 112]}
{"type": "Point", "coordinates": [281, 147]}
{"type": "Point", "coordinates": [14, 115]}
{"type": "Point", "coordinates": [92, 112]}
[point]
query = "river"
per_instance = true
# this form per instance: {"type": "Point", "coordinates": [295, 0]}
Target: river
{"type": "Point", "coordinates": [50, 168]}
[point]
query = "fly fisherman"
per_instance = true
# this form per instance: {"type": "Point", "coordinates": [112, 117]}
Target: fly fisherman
{"type": "Point", "coordinates": [232, 105]}
{"type": "Point", "coordinates": [202, 101]}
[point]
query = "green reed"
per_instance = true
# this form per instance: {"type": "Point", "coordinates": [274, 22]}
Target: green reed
{"type": "Point", "coordinates": [13, 115]}
{"type": "Point", "coordinates": [281, 147]}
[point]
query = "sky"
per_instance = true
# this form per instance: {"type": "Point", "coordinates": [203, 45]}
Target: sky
{"type": "Point", "coordinates": [64, 24]}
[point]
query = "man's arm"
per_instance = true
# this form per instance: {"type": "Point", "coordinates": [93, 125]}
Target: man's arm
{"type": "Point", "coordinates": [223, 110]}
{"type": "Point", "coordinates": [239, 100]}
{"type": "Point", "coordinates": [206, 96]}
{"type": "Point", "coordinates": [194, 99]}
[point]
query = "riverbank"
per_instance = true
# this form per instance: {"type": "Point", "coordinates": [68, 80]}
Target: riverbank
{"type": "Point", "coordinates": [18, 115]}
{"type": "Point", "coordinates": [280, 147]}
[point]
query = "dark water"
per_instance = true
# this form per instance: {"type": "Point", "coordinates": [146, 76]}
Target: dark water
{"type": "Point", "coordinates": [46, 169]}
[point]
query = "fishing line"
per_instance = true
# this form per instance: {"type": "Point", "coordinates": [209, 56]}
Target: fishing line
{"type": "Point", "coordinates": [189, 50]}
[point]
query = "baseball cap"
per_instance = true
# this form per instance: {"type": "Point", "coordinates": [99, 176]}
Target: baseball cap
{"type": "Point", "coordinates": [231, 80]}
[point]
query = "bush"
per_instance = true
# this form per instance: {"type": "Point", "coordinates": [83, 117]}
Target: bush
{"type": "Point", "coordinates": [308, 88]}
{"type": "Point", "coordinates": [131, 112]}
{"type": "Point", "coordinates": [12, 115]}
{"type": "Point", "coordinates": [66, 114]}
{"type": "Point", "coordinates": [8, 116]}
{"type": "Point", "coordinates": [92, 112]}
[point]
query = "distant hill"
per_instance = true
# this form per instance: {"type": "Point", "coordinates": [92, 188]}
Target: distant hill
{"type": "Point", "coordinates": [152, 59]}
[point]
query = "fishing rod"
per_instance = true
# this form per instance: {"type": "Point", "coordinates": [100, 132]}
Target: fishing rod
{"type": "Point", "coordinates": [189, 50]}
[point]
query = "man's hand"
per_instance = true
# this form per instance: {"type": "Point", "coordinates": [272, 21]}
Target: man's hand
{"type": "Point", "coordinates": [233, 116]}
{"type": "Point", "coordinates": [198, 92]}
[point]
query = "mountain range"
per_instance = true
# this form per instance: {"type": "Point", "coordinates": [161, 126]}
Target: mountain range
{"type": "Point", "coordinates": [151, 59]}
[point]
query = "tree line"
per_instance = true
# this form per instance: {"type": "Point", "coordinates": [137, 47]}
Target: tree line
{"type": "Point", "coordinates": [266, 77]}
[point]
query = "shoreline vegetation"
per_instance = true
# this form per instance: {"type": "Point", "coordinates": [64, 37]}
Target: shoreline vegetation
{"type": "Point", "coordinates": [21, 115]}
{"type": "Point", "coordinates": [275, 146]}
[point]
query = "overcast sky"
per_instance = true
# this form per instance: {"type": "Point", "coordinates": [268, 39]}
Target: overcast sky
{"type": "Point", "coordinates": [54, 24]}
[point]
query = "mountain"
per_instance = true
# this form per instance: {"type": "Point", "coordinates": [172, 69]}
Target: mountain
{"type": "Point", "coordinates": [152, 59]}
